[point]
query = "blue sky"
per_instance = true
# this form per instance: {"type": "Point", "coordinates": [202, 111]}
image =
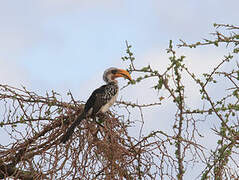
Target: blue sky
{"type": "Point", "coordinates": [67, 44]}
{"type": "Point", "coordinates": [56, 42]}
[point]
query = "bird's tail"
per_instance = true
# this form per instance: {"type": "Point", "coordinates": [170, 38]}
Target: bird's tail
{"type": "Point", "coordinates": [70, 130]}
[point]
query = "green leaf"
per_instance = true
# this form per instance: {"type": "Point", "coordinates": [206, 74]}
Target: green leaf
{"type": "Point", "coordinates": [236, 36]}
{"type": "Point", "coordinates": [236, 50]}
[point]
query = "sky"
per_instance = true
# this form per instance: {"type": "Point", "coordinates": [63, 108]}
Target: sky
{"type": "Point", "coordinates": [66, 45]}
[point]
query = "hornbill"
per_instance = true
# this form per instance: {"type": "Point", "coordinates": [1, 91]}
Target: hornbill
{"type": "Point", "coordinates": [100, 100]}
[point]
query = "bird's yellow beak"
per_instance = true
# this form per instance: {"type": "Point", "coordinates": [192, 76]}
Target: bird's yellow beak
{"type": "Point", "coordinates": [123, 73]}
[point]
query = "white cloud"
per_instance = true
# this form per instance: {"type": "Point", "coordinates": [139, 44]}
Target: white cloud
{"type": "Point", "coordinates": [59, 6]}
{"type": "Point", "coordinates": [12, 73]}
{"type": "Point", "coordinates": [190, 18]}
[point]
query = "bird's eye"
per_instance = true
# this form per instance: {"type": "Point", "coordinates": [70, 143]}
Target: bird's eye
{"type": "Point", "coordinates": [114, 71]}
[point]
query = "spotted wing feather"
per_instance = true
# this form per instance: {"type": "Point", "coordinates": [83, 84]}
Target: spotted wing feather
{"type": "Point", "coordinates": [101, 97]}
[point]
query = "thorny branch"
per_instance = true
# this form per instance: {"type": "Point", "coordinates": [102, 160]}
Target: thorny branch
{"type": "Point", "coordinates": [224, 109]}
{"type": "Point", "coordinates": [34, 124]}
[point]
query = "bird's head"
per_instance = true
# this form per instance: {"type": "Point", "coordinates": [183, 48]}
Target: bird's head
{"type": "Point", "coordinates": [112, 73]}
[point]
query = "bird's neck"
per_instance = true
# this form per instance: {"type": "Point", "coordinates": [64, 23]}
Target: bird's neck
{"type": "Point", "coordinates": [113, 81]}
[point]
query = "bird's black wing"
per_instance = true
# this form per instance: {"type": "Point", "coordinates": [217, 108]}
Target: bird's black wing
{"type": "Point", "coordinates": [91, 101]}
{"type": "Point", "coordinates": [100, 97]}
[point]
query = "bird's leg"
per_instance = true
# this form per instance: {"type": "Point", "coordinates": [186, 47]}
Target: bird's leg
{"type": "Point", "coordinates": [94, 118]}
{"type": "Point", "coordinates": [102, 117]}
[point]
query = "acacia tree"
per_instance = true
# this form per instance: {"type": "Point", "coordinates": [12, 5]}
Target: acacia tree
{"type": "Point", "coordinates": [35, 124]}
